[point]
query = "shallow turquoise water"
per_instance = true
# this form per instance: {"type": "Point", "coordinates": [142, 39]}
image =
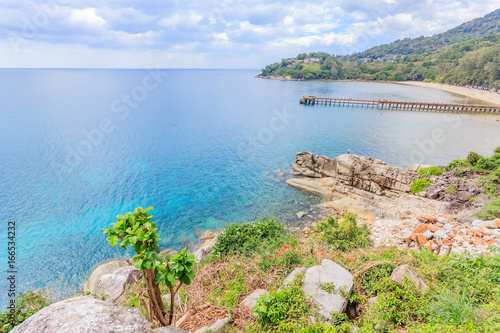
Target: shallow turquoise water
{"type": "Point", "coordinates": [201, 147]}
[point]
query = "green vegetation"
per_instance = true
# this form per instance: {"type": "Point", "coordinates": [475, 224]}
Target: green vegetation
{"type": "Point", "coordinates": [418, 185]}
{"type": "Point", "coordinates": [344, 236]}
{"type": "Point", "coordinates": [247, 238]}
{"type": "Point", "coordinates": [27, 304]}
{"type": "Point", "coordinates": [135, 229]}
{"type": "Point", "coordinates": [451, 189]}
{"type": "Point", "coordinates": [465, 55]}
{"type": "Point", "coordinates": [431, 171]}
{"type": "Point", "coordinates": [489, 166]}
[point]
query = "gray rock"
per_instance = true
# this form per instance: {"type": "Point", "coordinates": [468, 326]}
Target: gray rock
{"type": "Point", "coordinates": [401, 271]}
{"type": "Point", "coordinates": [85, 314]}
{"type": "Point", "coordinates": [442, 220]}
{"type": "Point", "coordinates": [428, 234]}
{"type": "Point", "coordinates": [168, 329]}
{"type": "Point", "coordinates": [440, 234]}
{"type": "Point", "coordinates": [251, 300]}
{"type": "Point", "coordinates": [217, 327]}
{"type": "Point", "coordinates": [328, 272]}
{"type": "Point", "coordinates": [202, 253]}
{"type": "Point", "coordinates": [293, 274]}
{"type": "Point", "coordinates": [104, 268]}
{"type": "Point", "coordinates": [114, 285]}
{"type": "Point", "coordinates": [477, 223]}
{"type": "Point", "coordinates": [355, 172]}
{"type": "Point", "coordinates": [301, 214]}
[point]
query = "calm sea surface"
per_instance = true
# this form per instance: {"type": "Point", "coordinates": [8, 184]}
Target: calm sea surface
{"type": "Point", "coordinates": [78, 147]}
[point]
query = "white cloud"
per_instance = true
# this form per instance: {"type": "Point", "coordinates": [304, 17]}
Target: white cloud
{"type": "Point", "coordinates": [86, 16]}
{"type": "Point", "coordinates": [206, 31]}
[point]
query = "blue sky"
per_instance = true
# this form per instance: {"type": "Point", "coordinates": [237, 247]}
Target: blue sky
{"type": "Point", "coordinates": [211, 34]}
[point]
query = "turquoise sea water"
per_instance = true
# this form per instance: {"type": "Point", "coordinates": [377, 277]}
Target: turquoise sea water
{"type": "Point", "coordinates": [78, 147]}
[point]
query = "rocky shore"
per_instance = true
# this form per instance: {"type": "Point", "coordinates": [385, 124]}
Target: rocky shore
{"type": "Point", "coordinates": [437, 218]}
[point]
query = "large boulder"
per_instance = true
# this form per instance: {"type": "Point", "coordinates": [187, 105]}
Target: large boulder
{"type": "Point", "coordinates": [348, 172]}
{"type": "Point", "coordinates": [114, 285]}
{"type": "Point", "coordinates": [104, 268]}
{"type": "Point", "coordinates": [251, 300]}
{"type": "Point", "coordinates": [402, 271]}
{"type": "Point", "coordinates": [85, 314]}
{"type": "Point", "coordinates": [328, 273]}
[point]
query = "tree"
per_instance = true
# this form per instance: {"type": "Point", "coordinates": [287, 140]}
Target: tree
{"type": "Point", "coordinates": [135, 229]}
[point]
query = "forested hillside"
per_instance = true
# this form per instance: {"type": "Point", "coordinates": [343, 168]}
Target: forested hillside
{"type": "Point", "coordinates": [465, 55]}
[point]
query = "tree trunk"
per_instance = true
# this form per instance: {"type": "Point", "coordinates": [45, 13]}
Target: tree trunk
{"type": "Point", "coordinates": [155, 297]}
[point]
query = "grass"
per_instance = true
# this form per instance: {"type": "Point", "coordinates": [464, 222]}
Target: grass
{"type": "Point", "coordinates": [431, 171]}
{"type": "Point", "coordinates": [451, 189]}
{"type": "Point", "coordinates": [418, 185]}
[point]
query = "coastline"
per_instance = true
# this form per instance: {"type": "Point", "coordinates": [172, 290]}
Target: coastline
{"type": "Point", "coordinates": [483, 95]}
{"type": "Point", "coordinates": [476, 94]}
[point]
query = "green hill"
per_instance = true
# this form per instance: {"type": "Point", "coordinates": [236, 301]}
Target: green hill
{"type": "Point", "coordinates": [465, 55]}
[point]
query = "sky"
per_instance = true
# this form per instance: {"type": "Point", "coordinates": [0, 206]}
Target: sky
{"type": "Point", "coordinates": [210, 33]}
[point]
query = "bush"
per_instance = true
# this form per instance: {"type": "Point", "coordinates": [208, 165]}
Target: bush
{"type": "Point", "coordinates": [400, 305]}
{"type": "Point", "coordinates": [457, 163]}
{"type": "Point", "coordinates": [418, 185]}
{"type": "Point", "coordinates": [473, 158]}
{"type": "Point", "coordinates": [27, 304]}
{"type": "Point", "coordinates": [431, 171]}
{"type": "Point", "coordinates": [490, 211]}
{"type": "Point", "coordinates": [286, 306]}
{"type": "Point", "coordinates": [346, 235]}
{"type": "Point", "coordinates": [497, 150]}
{"type": "Point", "coordinates": [246, 238]}
{"type": "Point", "coordinates": [486, 163]}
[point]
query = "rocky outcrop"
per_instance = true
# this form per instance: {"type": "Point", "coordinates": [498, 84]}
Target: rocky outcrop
{"type": "Point", "coordinates": [339, 281]}
{"type": "Point", "coordinates": [85, 314]}
{"type": "Point", "coordinates": [113, 286]}
{"type": "Point", "coordinates": [348, 173]}
{"type": "Point", "coordinates": [103, 269]}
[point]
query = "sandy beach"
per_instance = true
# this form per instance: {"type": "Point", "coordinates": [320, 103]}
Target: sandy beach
{"type": "Point", "coordinates": [483, 95]}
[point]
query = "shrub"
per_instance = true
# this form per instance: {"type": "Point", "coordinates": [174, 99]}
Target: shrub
{"type": "Point", "coordinates": [431, 171]}
{"type": "Point", "coordinates": [457, 163]}
{"type": "Point", "coordinates": [246, 238]}
{"type": "Point", "coordinates": [418, 185]}
{"type": "Point", "coordinates": [497, 150]}
{"type": "Point", "coordinates": [400, 305]}
{"type": "Point", "coordinates": [135, 229]}
{"type": "Point", "coordinates": [27, 304]}
{"type": "Point", "coordinates": [346, 235]}
{"type": "Point", "coordinates": [472, 158]}
{"type": "Point", "coordinates": [490, 211]}
{"type": "Point", "coordinates": [459, 171]}
{"type": "Point", "coordinates": [486, 163]}
{"type": "Point", "coordinates": [286, 306]}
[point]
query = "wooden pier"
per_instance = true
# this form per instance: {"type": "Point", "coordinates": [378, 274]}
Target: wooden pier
{"type": "Point", "coordinates": [401, 105]}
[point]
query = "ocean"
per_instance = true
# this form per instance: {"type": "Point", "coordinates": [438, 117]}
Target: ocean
{"type": "Point", "coordinates": [203, 147]}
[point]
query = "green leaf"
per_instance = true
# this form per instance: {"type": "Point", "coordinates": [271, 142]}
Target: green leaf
{"type": "Point", "coordinates": [113, 240]}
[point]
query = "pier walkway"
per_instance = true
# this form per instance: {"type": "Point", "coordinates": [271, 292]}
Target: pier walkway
{"type": "Point", "coordinates": [401, 105]}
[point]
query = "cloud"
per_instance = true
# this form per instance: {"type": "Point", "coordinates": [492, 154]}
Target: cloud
{"type": "Point", "coordinates": [246, 33]}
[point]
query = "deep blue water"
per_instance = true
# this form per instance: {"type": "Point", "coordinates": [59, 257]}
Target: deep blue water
{"type": "Point", "coordinates": [78, 147]}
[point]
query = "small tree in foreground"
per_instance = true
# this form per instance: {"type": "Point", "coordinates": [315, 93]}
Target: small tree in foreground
{"type": "Point", "coordinates": [137, 230]}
